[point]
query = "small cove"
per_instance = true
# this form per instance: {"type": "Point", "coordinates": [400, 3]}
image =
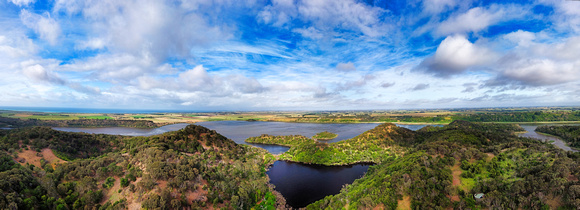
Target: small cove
{"type": "Point", "coordinates": [303, 184]}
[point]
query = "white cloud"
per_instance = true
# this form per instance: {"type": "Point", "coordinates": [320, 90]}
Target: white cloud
{"type": "Point", "coordinates": [44, 25]}
{"type": "Point", "coordinates": [479, 18]}
{"type": "Point", "coordinates": [159, 28]}
{"type": "Point", "coordinates": [345, 67]}
{"type": "Point", "coordinates": [454, 55]}
{"type": "Point", "coordinates": [326, 16]}
{"type": "Point", "coordinates": [40, 74]}
{"type": "Point", "coordinates": [522, 38]}
{"type": "Point", "coordinates": [22, 2]}
{"type": "Point", "coordinates": [437, 6]}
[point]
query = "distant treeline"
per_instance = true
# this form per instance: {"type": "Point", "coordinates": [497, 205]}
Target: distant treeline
{"type": "Point", "coordinates": [14, 122]}
{"type": "Point", "coordinates": [569, 133]}
{"type": "Point", "coordinates": [526, 116]}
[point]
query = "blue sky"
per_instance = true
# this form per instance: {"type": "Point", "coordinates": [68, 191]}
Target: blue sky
{"type": "Point", "coordinates": [209, 55]}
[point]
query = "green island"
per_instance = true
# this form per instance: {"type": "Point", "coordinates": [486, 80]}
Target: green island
{"type": "Point", "coordinates": [292, 140]}
{"type": "Point", "coordinates": [325, 135]}
{"type": "Point", "coordinates": [568, 133]}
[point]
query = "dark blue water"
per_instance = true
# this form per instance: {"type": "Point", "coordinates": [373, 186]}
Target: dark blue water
{"type": "Point", "coordinates": [303, 184]}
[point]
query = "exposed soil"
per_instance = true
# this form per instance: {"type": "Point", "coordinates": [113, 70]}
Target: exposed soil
{"type": "Point", "coordinates": [112, 191]}
{"type": "Point", "coordinates": [31, 157]}
{"type": "Point", "coordinates": [198, 195]}
{"type": "Point", "coordinates": [405, 203]}
{"type": "Point", "coordinates": [456, 172]}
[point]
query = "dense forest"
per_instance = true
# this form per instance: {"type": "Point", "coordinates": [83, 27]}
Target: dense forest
{"type": "Point", "coordinates": [445, 167]}
{"type": "Point", "coordinates": [17, 123]}
{"type": "Point", "coordinates": [432, 168]}
{"type": "Point", "coordinates": [193, 167]}
{"type": "Point", "coordinates": [568, 133]}
{"type": "Point", "coordinates": [291, 140]}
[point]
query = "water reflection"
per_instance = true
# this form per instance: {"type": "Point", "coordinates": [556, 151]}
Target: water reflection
{"type": "Point", "coordinates": [302, 184]}
{"type": "Point", "coordinates": [125, 131]}
{"type": "Point", "coordinates": [531, 133]}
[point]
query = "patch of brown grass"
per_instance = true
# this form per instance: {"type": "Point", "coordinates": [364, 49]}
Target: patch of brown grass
{"type": "Point", "coordinates": [198, 195]}
{"type": "Point", "coordinates": [112, 191]}
{"type": "Point", "coordinates": [554, 202]}
{"type": "Point", "coordinates": [29, 156]}
{"type": "Point", "coordinates": [456, 172]}
{"type": "Point", "coordinates": [405, 203]}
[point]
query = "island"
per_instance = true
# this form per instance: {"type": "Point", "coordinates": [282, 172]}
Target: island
{"type": "Point", "coordinates": [325, 135]}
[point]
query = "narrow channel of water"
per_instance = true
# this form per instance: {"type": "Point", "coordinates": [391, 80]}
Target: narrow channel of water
{"type": "Point", "coordinates": [303, 184]}
{"type": "Point", "coordinates": [531, 133]}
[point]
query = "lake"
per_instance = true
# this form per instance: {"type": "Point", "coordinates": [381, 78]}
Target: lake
{"type": "Point", "coordinates": [415, 127]}
{"type": "Point", "coordinates": [239, 131]}
{"type": "Point", "coordinates": [531, 133]}
{"type": "Point", "coordinates": [125, 131]}
{"type": "Point", "coordinates": [303, 184]}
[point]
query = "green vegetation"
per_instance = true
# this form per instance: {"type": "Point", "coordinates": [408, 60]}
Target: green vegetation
{"type": "Point", "coordinates": [84, 122]}
{"type": "Point", "coordinates": [98, 117]}
{"type": "Point", "coordinates": [568, 133]}
{"type": "Point", "coordinates": [292, 140]}
{"type": "Point", "coordinates": [190, 168]}
{"type": "Point", "coordinates": [444, 168]}
{"type": "Point", "coordinates": [432, 168]}
{"type": "Point", "coordinates": [372, 146]}
{"type": "Point", "coordinates": [325, 135]}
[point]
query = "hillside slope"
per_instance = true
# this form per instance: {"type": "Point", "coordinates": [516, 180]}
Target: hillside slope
{"type": "Point", "coordinates": [193, 167]}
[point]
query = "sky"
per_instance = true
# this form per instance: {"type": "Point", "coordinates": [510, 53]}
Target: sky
{"type": "Point", "coordinates": [254, 55]}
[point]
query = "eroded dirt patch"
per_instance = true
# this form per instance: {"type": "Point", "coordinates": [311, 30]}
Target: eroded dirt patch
{"type": "Point", "coordinates": [32, 157]}
{"type": "Point", "coordinates": [405, 203]}
{"type": "Point", "coordinates": [456, 172]}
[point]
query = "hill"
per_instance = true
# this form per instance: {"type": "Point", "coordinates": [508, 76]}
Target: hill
{"type": "Point", "coordinates": [194, 166]}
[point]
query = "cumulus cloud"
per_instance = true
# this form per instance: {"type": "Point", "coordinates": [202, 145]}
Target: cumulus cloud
{"type": "Point", "coordinates": [326, 16]}
{"type": "Point", "coordinates": [387, 84]}
{"type": "Point", "coordinates": [421, 86]}
{"type": "Point", "coordinates": [521, 38]}
{"type": "Point", "coordinates": [454, 55]}
{"type": "Point", "coordinates": [345, 67]}
{"type": "Point", "coordinates": [162, 29]}
{"type": "Point", "coordinates": [469, 87]}
{"type": "Point", "coordinates": [521, 72]}
{"type": "Point", "coordinates": [44, 25]}
{"type": "Point", "coordinates": [479, 18]}
{"type": "Point", "coordinates": [355, 84]}
{"type": "Point", "coordinates": [199, 80]}
{"type": "Point", "coordinates": [40, 74]}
